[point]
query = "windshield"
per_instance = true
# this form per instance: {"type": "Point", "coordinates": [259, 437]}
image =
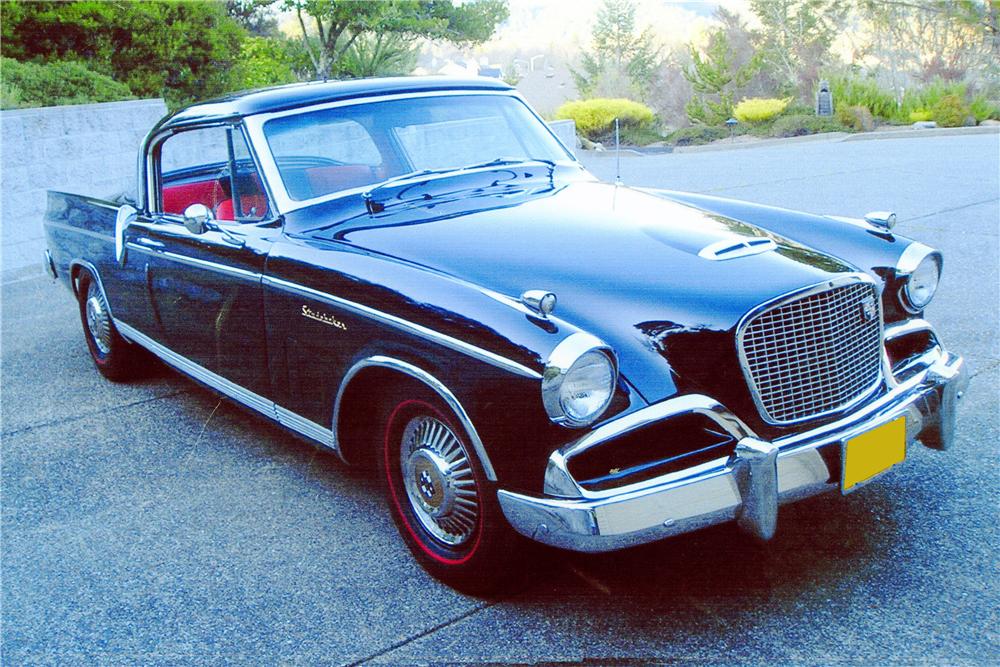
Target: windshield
{"type": "Point", "coordinates": [348, 147]}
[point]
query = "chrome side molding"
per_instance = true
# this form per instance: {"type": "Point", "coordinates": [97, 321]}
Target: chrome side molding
{"type": "Point", "coordinates": [266, 407]}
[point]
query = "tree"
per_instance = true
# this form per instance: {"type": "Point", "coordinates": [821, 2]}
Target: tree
{"type": "Point", "coordinates": [256, 16]}
{"type": "Point", "coordinates": [331, 27]}
{"type": "Point", "coordinates": [178, 50]}
{"type": "Point", "coordinates": [382, 54]}
{"type": "Point", "coordinates": [933, 39]}
{"type": "Point", "coordinates": [715, 77]}
{"type": "Point", "coordinates": [795, 37]}
{"type": "Point", "coordinates": [621, 58]}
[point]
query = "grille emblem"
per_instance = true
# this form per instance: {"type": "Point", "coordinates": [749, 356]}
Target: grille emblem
{"type": "Point", "coordinates": [868, 310]}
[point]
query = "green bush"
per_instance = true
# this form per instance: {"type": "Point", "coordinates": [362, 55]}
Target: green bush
{"type": "Point", "coordinates": [850, 91]}
{"type": "Point", "coordinates": [950, 111]}
{"type": "Point", "coordinates": [595, 119]}
{"type": "Point", "coordinates": [799, 125]}
{"type": "Point", "coordinates": [921, 115]}
{"type": "Point", "coordinates": [59, 83]}
{"type": "Point", "coordinates": [758, 110]}
{"type": "Point", "coordinates": [857, 118]}
{"type": "Point", "coordinates": [982, 109]}
{"type": "Point", "coordinates": [697, 135]}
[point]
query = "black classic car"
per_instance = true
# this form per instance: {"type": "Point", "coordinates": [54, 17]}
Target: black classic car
{"type": "Point", "coordinates": [418, 275]}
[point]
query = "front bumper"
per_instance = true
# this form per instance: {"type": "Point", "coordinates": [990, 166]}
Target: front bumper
{"type": "Point", "coordinates": [748, 486]}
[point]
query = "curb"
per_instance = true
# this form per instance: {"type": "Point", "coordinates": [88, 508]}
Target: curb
{"type": "Point", "coordinates": [909, 133]}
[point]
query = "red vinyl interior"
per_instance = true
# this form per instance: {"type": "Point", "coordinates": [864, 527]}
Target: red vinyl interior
{"type": "Point", "coordinates": [176, 198]}
{"type": "Point", "coordinates": [254, 206]}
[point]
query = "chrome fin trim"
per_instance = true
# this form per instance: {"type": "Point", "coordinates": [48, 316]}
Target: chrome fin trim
{"type": "Point", "coordinates": [195, 262]}
{"type": "Point", "coordinates": [405, 325]}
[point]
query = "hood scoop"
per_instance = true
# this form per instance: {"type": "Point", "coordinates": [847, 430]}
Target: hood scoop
{"type": "Point", "coordinates": [734, 247]}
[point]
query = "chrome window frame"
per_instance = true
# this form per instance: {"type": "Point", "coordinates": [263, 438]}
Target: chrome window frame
{"type": "Point", "coordinates": [153, 206]}
{"type": "Point", "coordinates": [284, 204]}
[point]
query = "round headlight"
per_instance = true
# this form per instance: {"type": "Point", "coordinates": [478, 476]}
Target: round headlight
{"type": "Point", "coordinates": [920, 287]}
{"type": "Point", "coordinates": [579, 381]}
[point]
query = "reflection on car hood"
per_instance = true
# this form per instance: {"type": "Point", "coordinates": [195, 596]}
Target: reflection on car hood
{"type": "Point", "coordinates": [624, 264]}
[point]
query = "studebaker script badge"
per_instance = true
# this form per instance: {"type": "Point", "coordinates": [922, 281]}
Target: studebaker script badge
{"type": "Point", "coordinates": [323, 317]}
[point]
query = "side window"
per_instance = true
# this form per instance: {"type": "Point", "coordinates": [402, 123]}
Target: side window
{"type": "Point", "coordinates": [207, 166]}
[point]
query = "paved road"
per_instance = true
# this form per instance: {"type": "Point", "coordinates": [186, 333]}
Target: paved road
{"type": "Point", "coordinates": [152, 523]}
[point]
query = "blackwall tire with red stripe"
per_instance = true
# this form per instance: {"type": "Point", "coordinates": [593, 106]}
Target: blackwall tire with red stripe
{"type": "Point", "coordinates": [444, 507]}
{"type": "Point", "coordinates": [114, 357]}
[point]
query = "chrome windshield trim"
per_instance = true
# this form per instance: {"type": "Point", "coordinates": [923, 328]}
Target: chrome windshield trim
{"type": "Point", "coordinates": [405, 325]}
{"type": "Point", "coordinates": [795, 295]}
{"type": "Point", "coordinates": [195, 262]}
{"type": "Point", "coordinates": [285, 204]}
{"type": "Point", "coordinates": [436, 385]}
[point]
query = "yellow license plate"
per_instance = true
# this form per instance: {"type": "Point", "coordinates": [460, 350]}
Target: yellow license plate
{"type": "Point", "coordinates": [873, 452]}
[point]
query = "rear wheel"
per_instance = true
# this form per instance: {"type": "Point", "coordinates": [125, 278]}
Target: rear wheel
{"type": "Point", "coordinates": [115, 357]}
{"type": "Point", "coordinates": [445, 508]}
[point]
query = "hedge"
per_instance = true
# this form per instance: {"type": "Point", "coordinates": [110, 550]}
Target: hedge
{"type": "Point", "coordinates": [595, 119]}
{"type": "Point", "coordinates": [28, 84]}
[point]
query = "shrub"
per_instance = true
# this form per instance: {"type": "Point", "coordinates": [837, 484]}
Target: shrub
{"type": "Point", "coordinates": [799, 125]}
{"type": "Point", "coordinates": [10, 96]}
{"type": "Point", "coordinates": [857, 118]}
{"type": "Point", "coordinates": [982, 109]}
{"type": "Point", "coordinates": [695, 136]}
{"type": "Point", "coordinates": [757, 110]}
{"type": "Point", "coordinates": [59, 83]}
{"type": "Point", "coordinates": [950, 111]}
{"type": "Point", "coordinates": [595, 119]}
{"type": "Point", "coordinates": [920, 115]}
{"type": "Point", "coordinates": [849, 91]}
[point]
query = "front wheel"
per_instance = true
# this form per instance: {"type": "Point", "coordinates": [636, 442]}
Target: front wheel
{"type": "Point", "coordinates": [445, 508]}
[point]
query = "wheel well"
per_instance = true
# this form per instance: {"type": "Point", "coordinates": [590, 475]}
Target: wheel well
{"type": "Point", "coordinates": [74, 277]}
{"type": "Point", "coordinates": [361, 408]}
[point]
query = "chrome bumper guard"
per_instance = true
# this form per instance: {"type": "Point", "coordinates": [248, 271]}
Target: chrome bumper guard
{"type": "Point", "coordinates": [746, 487]}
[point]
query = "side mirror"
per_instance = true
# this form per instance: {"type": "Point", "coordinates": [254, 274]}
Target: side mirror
{"type": "Point", "coordinates": [197, 218]}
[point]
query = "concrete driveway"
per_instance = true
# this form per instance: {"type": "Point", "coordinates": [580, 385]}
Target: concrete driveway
{"type": "Point", "coordinates": [153, 523]}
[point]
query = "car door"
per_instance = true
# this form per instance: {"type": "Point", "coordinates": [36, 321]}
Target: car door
{"type": "Point", "coordinates": [204, 289]}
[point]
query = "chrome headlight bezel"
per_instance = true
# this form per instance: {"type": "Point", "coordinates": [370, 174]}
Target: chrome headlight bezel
{"type": "Point", "coordinates": [561, 363]}
{"type": "Point", "coordinates": [917, 258]}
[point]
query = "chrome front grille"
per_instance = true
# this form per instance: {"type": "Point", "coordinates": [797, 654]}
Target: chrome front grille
{"type": "Point", "coordinates": [814, 354]}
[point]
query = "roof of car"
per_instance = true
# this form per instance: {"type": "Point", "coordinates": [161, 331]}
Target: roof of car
{"type": "Point", "coordinates": [295, 95]}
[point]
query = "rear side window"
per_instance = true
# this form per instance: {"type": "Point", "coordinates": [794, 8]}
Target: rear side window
{"type": "Point", "coordinates": [207, 166]}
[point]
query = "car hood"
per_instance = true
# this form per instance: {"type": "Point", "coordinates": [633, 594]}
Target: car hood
{"type": "Point", "coordinates": [625, 265]}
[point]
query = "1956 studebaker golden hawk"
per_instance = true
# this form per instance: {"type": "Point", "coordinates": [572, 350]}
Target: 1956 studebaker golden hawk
{"type": "Point", "coordinates": [417, 274]}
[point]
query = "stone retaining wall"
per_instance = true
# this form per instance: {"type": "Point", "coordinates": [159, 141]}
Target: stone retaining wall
{"type": "Point", "coordinates": [87, 149]}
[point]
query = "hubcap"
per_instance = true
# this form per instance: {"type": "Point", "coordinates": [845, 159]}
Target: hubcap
{"type": "Point", "coordinates": [98, 321]}
{"type": "Point", "coordinates": [439, 481]}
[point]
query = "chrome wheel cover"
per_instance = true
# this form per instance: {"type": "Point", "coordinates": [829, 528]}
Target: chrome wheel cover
{"type": "Point", "coordinates": [439, 481]}
{"type": "Point", "coordinates": [98, 319]}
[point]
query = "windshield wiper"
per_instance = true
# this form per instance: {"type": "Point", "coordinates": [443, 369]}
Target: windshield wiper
{"type": "Point", "coordinates": [375, 207]}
